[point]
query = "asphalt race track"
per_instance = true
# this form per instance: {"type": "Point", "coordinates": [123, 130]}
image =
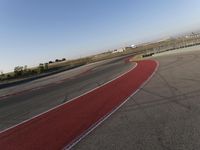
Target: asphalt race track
{"type": "Point", "coordinates": [67, 123]}
{"type": "Point", "coordinates": [17, 108]}
{"type": "Point", "coordinates": [163, 115]}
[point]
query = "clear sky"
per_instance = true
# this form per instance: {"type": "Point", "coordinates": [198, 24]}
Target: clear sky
{"type": "Point", "coordinates": [34, 31]}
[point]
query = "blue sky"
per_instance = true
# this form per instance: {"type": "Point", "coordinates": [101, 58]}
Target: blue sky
{"type": "Point", "coordinates": [34, 31]}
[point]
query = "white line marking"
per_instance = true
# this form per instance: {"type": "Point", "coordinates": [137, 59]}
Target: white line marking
{"type": "Point", "coordinates": [95, 125]}
{"type": "Point", "coordinates": [67, 101]}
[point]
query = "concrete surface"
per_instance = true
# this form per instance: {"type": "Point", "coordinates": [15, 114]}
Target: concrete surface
{"type": "Point", "coordinates": [163, 115]}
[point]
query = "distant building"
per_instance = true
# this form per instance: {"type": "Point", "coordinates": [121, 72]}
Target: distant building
{"type": "Point", "coordinates": [118, 50]}
{"type": "Point", "coordinates": [133, 46]}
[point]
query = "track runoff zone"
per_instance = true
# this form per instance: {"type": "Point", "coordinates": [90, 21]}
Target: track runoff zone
{"type": "Point", "coordinates": [62, 127]}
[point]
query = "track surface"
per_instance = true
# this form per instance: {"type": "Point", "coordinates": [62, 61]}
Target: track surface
{"type": "Point", "coordinates": [163, 115]}
{"type": "Point", "coordinates": [59, 127]}
{"type": "Point", "coordinates": [17, 108]}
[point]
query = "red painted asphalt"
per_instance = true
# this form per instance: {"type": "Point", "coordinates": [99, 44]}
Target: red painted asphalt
{"type": "Point", "coordinates": [59, 127]}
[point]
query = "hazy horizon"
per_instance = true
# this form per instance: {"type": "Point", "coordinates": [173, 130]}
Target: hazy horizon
{"type": "Point", "coordinates": [33, 32]}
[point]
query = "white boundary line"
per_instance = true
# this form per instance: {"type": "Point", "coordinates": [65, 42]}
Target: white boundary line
{"type": "Point", "coordinates": [95, 125]}
{"type": "Point", "coordinates": [67, 101]}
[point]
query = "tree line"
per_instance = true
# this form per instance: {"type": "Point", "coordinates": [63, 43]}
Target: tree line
{"type": "Point", "coordinates": [24, 71]}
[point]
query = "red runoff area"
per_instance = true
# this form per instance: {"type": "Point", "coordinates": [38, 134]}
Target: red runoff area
{"type": "Point", "coordinates": [65, 124]}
